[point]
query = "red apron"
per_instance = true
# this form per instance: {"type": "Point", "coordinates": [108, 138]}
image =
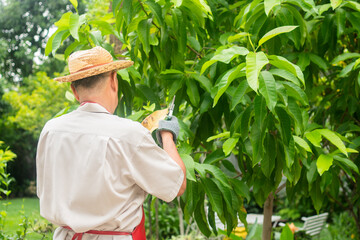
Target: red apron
{"type": "Point", "coordinates": [137, 234]}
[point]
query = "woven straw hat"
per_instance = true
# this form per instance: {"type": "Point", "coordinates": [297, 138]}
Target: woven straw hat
{"type": "Point", "coordinates": [86, 63]}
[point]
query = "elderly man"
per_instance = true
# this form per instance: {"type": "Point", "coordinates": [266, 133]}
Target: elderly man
{"type": "Point", "coordinates": [94, 169]}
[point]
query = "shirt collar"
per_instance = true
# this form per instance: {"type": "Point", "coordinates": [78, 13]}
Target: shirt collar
{"type": "Point", "coordinates": [92, 107]}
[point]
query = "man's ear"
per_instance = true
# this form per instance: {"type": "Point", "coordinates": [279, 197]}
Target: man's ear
{"type": "Point", "coordinates": [75, 92]}
{"type": "Point", "coordinates": [114, 81]}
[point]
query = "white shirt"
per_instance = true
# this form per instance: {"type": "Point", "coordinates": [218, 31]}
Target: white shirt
{"type": "Point", "coordinates": [94, 170]}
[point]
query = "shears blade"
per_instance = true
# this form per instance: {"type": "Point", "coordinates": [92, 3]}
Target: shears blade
{"type": "Point", "coordinates": [171, 107]}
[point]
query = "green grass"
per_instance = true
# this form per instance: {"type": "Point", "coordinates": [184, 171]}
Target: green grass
{"type": "Point", "coordinates": [19, 209]}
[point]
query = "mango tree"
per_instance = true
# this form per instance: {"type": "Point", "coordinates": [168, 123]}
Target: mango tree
{"type": "Point", "coordinates": [252, 97]}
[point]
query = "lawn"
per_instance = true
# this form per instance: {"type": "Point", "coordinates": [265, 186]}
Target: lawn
{"type": "Point", "coordinates": [23, 213]}
{"type": "Point", "coordinates": [20, 209]}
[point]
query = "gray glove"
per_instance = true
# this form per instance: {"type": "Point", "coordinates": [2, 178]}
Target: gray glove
{"type": "Point", "coordinates": [171, 125]}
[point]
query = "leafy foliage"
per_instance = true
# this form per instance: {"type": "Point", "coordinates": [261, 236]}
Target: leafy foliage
{"type": "Point", "coordinates": [26, 111]}
{"type": "Point", "coordinates": [261, 88]}
{"type": "Point", "coordinates": [28, 103]}
{"type": "Point", "coordinates": [24, 29]}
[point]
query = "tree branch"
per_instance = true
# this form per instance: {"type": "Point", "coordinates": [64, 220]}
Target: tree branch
{"type": "Point", "coordinates": [280, 188]}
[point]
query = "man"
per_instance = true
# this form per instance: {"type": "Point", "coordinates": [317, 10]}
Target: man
{"type": "Point", "coordinates": [94, 169]}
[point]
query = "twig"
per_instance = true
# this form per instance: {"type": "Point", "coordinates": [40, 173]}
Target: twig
{"type": "Point", "coordinates": [280, 188]}
{"type": "Point", "coordinates": [238, 175]}
{"type": "Point", "coordinates": [142, 7]}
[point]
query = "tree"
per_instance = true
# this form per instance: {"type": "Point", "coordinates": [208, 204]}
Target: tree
{"type": "Point", "coordinates": [26, 112]}
{"type": "Point", "coordinates": [253, 82]}
{"type": "Point", "coordinates": [24, 29]}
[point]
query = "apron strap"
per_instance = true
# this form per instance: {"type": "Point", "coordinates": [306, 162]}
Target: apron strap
{"type": "Point", "coordinates": [137, 234]}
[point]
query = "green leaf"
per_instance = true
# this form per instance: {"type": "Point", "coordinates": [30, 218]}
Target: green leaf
{"type": "Point", "coordinates": [74, 25]}
{"type": "Point", "coordinates": [302, 143]}
{"type": "Point", "coordinates": [240, 188]}
{"type": "Point", "coordinates": [214, 171]}
{"type": "Point", "coordinates": [254, 63]}
{"type": "Point", "coordinates": [239, 94]}
{"type": "Point", "coordinates": [206, 65]}
{"type": "Point", "coordinates": [316, 195]}
{"type": "Point", "coordinates": [64, 21]}
{"type": "Point", "coordinates": [194, 43]}
{"type": "Point", "coordinates": [226, 80]}
{"type": "Point", "coordinates": [48, 47]}
{"type": "Point", "coordinates": [177, 3]}
{"type": "Point", "coordinates": [286, 233]}
{"type": "Point", "coordinates": [267, 87]}
{"type": "Point", "coordinates": [192, 92]}
{"type": "Point", "coordinates": [285, 124]}
{"type": "Point", "coordinates": [229, 145]}
{"type": "Point", "coordinates": [352, 4]}
{"type": "Point", "coordinates": [148, 93]}
{"type": "Point", "coordinates": [200, 218]}
{"type": "Point", "coordinates": [347, 162]}
{"type": "Point", "coordinates": [220, 135]}
{"type": "Point", "coordinates": [156, 11]}
{"type": "Point", "coordinates": [74, 3]}
{"type": "Point", "coordinates": [58, 39]}
{"type": "Point", "coordinates": [275, 32]}
{"type": "Point", "coordinates": [214, 195]}
{"type": "Point", "coordinates": [314, 137]}
{"type": "Point", "coordinates": [324, 162]}
{"type": "Point", "coordinates": [115, 6]}
{"type": "Point", "coordinates": [269, 4]}
{"type": "Point", "coordinates": [144, 34]}
{"type": "Point", "coordinates": [189, 164]}
{"type": "Point", "coordinates": [344, 57]}
{"type": "Point", "coordinates": [237, 36]}
{"type": "Point", "coordinates": [69, 96]}
{"type": "Point", "coordinates": [215, 156]}
{"type": "Point", "coordinates": [136, 116]}
{"type": "Point", "coordinates": [283, 63]}
{"type": "Point", "coordinates": [124, 74]}
{"type": "Point", "coordinates": [334, 139]}
{"type": "Point", "coordinates": [298, 16]}
{"type": "Point", "coordinates": [296, 92]}
{"type": "Point", "coordinates": [296, 113]}
{"type": "Point", "coordinates": [285, 74]}
{"type": "Point", "coordinates": [204, 81]}
{"type": "Point", "coordinates": [311, 173]}
{"type": "Point", "coordinates": [335, 3]}
{"type": "Point", "coordinates": [268, 162]}
{"type": "Point", "coordinates": [303, 61]}
{"type": "Point", "coordinates": [226, 55]}
{"type": "Point", "coordinates": [320, 62]}
{"type": "Point", "coordinates": [211, 218]}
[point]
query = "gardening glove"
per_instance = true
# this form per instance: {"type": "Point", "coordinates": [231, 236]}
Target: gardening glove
{"type": "Point", "coordinates": [171, 125]}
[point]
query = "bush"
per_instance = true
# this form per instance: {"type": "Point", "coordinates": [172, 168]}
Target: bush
{"type": "Point", "coordinates": [343, 226]}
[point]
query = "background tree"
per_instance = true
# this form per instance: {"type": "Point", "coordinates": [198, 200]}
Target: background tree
{"type": "Point", "coordinates": [27, 110]}
{"type": "Point", "coordinates": [255, 85]}
{"type": "Point", "coordinates": [24, 30]}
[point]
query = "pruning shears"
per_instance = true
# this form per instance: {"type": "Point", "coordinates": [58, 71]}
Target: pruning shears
{"type": "Point", "coordinates": [171, 109]}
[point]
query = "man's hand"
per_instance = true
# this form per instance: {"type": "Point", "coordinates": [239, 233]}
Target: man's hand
{"type": "Point", "coordinates": [169, 126]}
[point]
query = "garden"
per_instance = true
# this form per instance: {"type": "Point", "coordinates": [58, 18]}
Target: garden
{"type": "Point", "coordinates": [267, 97]}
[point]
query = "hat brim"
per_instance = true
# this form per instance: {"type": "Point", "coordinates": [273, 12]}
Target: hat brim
{"type": "Point", "coordinates": [115, 65]}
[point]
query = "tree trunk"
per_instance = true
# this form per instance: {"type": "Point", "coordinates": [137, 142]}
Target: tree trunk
{"type": "Point", "coordinates": [157, 218]}
{"type": "Point", "coordinates": [149, 217]}
{"type": "Point", "coordinates": [181, 218]}
{"type": "Point", "coordinates": [268, 211]}
{"type": "Point", "coordinates": [117, 44]}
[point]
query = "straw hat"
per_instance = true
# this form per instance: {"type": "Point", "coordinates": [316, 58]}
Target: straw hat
{"type": "Point", "coordinates": [91, 62]}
